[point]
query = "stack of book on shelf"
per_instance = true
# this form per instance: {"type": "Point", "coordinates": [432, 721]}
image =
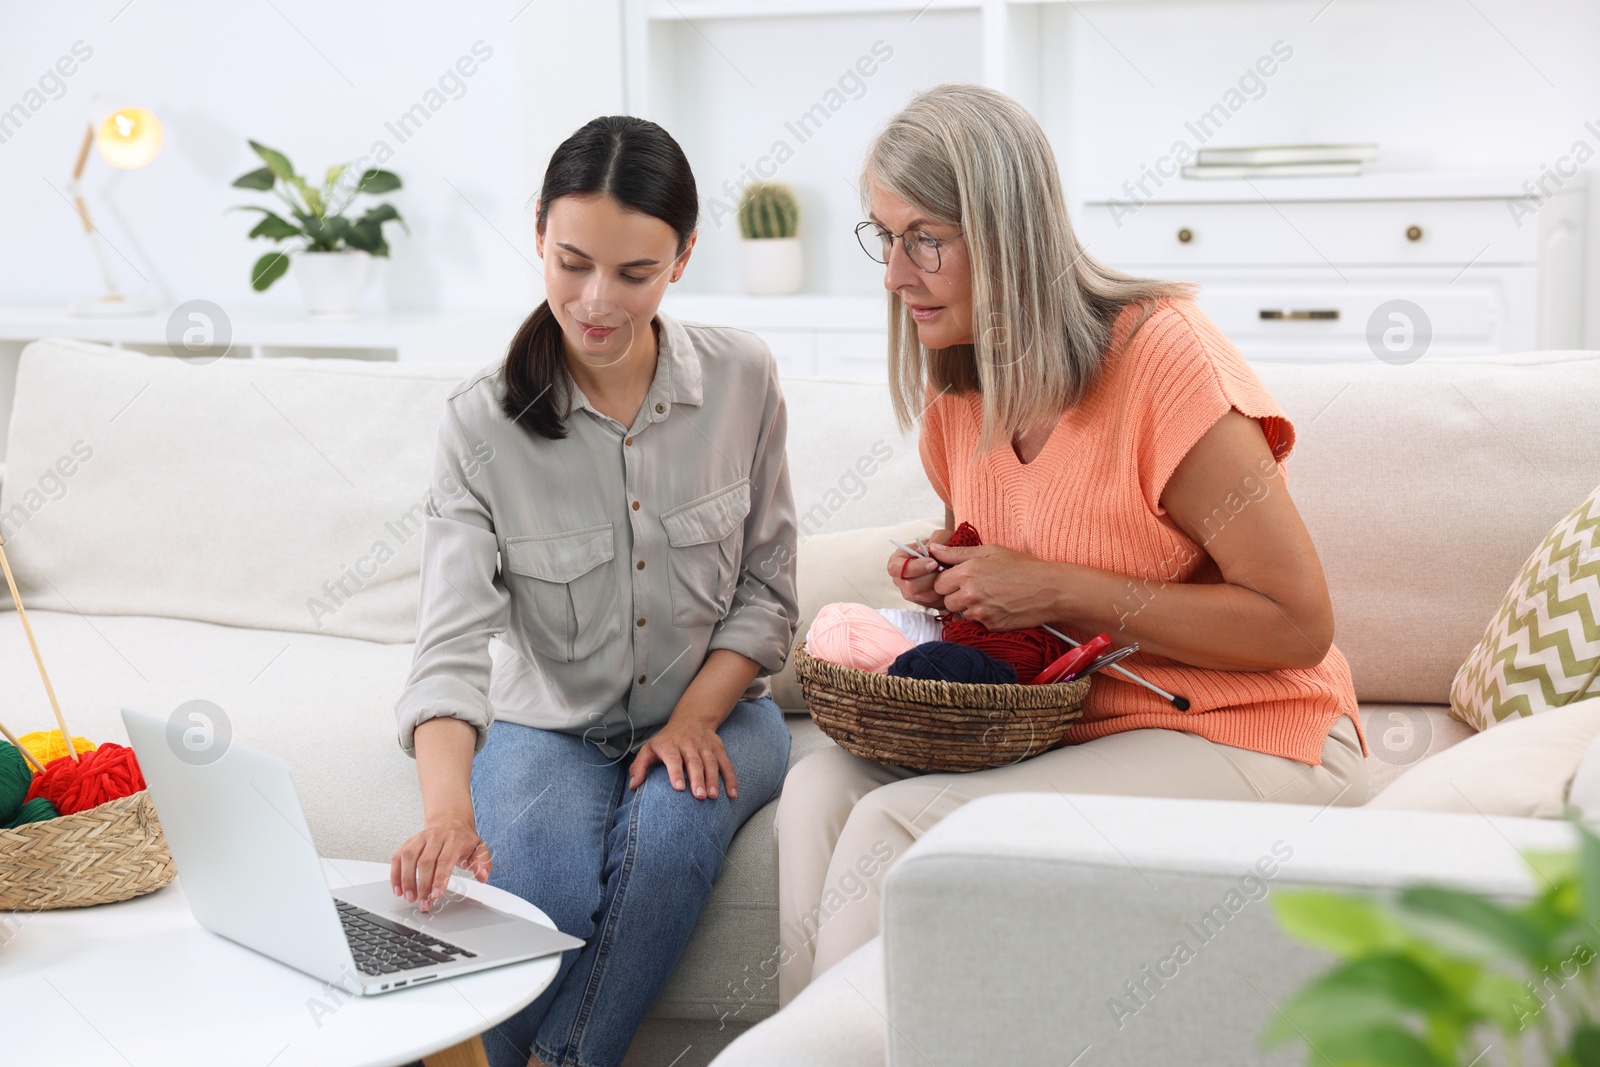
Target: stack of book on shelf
{"type": "Point", "coordinates": [1281, 161]}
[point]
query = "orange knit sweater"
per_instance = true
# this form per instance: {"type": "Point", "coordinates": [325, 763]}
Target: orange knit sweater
{"type": "Point", "coordinates": [1092, 496]}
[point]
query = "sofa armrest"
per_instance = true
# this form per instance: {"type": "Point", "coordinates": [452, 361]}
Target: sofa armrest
{"type": "Point", "coordinates": [1027, 927]}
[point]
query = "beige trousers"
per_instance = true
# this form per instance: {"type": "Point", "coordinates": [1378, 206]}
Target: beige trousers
{"type": "Point", "coordinates": [843, 820]}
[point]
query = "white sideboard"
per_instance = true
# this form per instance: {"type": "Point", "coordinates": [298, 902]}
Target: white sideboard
{"type": "Point", "coordinates": [1316, 268]}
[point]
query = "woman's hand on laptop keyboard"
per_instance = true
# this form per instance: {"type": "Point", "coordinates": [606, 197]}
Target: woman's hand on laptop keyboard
{"type": "Point", "coordinates": [421, 868]}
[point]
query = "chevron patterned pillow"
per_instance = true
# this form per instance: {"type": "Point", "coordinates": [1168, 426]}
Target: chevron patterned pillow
{"type": "Point", "coordinates": [1542, 649]}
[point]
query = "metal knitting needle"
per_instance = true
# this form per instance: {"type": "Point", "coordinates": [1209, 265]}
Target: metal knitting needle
{"type": "Point", "coordinates": [1108, 659]}
{"type": "Point", "coordinates": [1181, 703]}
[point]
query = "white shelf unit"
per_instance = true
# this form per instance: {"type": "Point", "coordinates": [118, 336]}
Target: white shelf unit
{"type": "Point", "coordinates": [470, 339]}
{"type": "Point", "coordinates": [1007, 41]}
{"type": "Point", "coordinates": [682, 68]}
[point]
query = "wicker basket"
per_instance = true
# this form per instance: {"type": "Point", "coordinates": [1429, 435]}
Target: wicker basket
{"type": "Point", "coordinates": [110, 852]}
{"type": "Point", "coordinates": [935, 726]}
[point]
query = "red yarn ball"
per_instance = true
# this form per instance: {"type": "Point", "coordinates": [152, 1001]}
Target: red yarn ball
{"type": "Point", "coordinates": [1029, 651]}
{"type": "Point", "coordinates": [107, 773]}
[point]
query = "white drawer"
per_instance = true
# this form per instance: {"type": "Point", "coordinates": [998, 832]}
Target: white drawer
{"type": "Point", "coordinates": [1310, 233]}
{"type": "Point", "coordinates": [1315, 315]}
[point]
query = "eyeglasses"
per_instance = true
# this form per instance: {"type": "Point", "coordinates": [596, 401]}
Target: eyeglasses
{"type": "Point", "coordinates": [922, 248]}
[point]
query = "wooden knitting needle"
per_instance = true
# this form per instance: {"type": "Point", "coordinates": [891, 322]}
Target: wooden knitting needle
{"type": "Point", "coordinates": [1181, 703]}
{"type": "Point", "coordinates": [16, 598]}
{"type": "Point", "coordinates": [29, 756]}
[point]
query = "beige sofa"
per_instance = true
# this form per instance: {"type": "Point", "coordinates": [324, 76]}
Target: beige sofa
{"type": "Point", "coordinates": [222, 538]}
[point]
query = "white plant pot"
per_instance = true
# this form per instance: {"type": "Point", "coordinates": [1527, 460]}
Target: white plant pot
{"type": "Point", "coordinates": [332, 282]}
{"type": "Point", "coordinates": [770, 266]}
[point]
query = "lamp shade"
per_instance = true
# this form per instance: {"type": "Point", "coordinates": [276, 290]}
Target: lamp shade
{"type": "Point", "coordinates": [128, 137]}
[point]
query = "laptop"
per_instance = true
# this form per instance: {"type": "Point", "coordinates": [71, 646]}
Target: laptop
{"type": "Point", "coordinates": [252, 874]}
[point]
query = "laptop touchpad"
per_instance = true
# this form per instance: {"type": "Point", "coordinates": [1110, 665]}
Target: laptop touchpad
{"type": "Point", "coordinates": [450, 914]}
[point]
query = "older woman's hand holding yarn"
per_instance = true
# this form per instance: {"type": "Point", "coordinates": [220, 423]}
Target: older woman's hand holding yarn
{"type": "Point", "coordinates": [998, 587]}
{"type": "Point", "coordinates": [914, 575]}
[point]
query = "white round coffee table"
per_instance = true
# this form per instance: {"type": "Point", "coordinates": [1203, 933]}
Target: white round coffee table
{"type": "Point", "coordinates": [140, 982]}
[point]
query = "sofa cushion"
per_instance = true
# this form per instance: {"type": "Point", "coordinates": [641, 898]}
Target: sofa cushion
{"type": "Point", "coordinates": [1583, 794]}
{"type": "Point", "coordinates": [1400, 736]}
{"type": "Point", "coordinates": [1542, 648]}
{"type": "Point", "coordinates": [1425, 487]}
{"type": "Point", "coordinates": [283, 493]}
{"type": "Point", "coordinates": [850, 565]}
{"type": "Point", "coordinates": [848, 464]}
{"type": "Point", "coordinates": [1522, 767]}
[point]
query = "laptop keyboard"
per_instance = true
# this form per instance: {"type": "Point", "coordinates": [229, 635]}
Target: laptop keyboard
{"type": "Point", "coordinates": [383, 947]}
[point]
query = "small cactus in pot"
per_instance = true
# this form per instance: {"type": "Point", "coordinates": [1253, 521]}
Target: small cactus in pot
{"type": "Point", "coordinates": [768, 210]}
{"type": "Point", "coordinates": [769, 223]}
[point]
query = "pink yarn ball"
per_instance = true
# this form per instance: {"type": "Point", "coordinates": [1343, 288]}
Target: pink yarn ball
{"type": "Point", "coordinates": [854, 635]}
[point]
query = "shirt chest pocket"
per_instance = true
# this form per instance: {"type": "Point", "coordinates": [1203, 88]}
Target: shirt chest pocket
{"type": "Point", "coordinates": [705, 541]}
{"type": "Point", "coordinates": [568, 598]}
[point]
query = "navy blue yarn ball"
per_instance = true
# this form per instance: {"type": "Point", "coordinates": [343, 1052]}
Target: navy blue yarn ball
{"type": "Point", "coordinates": [946, 661]}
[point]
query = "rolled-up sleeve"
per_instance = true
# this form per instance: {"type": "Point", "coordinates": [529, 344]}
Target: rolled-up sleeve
{"type": "Point", "coordinates": [463, 600]}
{"type": "Point", "coordinates": [765, 617]}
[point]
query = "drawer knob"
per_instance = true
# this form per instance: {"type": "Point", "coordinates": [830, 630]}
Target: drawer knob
{"type": "Point", "coordinates": [1413, 233]}
{"type": "Point", "coordinates": [1184, 236]}
{"type": "Point", "coordinates": [1297, 315]}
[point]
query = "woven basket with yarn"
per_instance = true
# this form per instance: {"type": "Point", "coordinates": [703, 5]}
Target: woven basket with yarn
{"type": "Point", "coordinates": [85, 828]}
{"type": "Point", "coordinates": [95, 855]}
{"type": "Point", "coordinates": [111, 852]}
{"type": "Point", "coordinates": [935, 725]}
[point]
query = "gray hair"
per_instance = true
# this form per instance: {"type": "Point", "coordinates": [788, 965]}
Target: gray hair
{"type": "Point", "coordinates": [1042, 307]}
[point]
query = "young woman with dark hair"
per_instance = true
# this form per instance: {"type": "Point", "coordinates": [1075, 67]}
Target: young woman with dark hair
{"type": "Point", "coordinates": [629, 471]}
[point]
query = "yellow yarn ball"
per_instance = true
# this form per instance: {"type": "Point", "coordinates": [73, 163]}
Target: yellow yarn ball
{"type": "Point", "coordinates": [46, 745]}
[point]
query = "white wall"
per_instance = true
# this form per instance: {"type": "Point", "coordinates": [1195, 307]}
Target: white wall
{"type": "Point", "coordinates": [319, 82]}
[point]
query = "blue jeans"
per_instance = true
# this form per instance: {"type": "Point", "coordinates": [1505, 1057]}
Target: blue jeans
{"type": "Point", "coordinates": [628, 870]}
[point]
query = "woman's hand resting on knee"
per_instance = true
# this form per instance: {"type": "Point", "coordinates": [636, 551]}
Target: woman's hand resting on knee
{"type": "Point", "coordinates": [686, 744]}
{"type": "Point", "coordinates": [920, 573]}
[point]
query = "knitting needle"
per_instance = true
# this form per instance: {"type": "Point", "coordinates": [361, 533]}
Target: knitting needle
{"type": "Point", "coordinates": [908, 550]}
{"type": "Point", "coordinates": [1106, 660]}
{"type": "Point", "coordinates": [1181, 703]}
{"type": "Point", "coordinates": [66, 735]}
{"type": "Point", "coordinates": [29, 756]}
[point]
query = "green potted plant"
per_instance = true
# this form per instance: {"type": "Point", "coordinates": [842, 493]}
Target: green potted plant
{"type": "Point", "coordinates": [334, 251]}
{"type": "Point", "coordinates": [769, 249]}
{"type": "Point", "coordinates": [1437, 977]}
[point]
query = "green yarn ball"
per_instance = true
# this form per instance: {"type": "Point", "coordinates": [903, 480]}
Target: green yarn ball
{"type": "Point", "coordinates": [15, 778]}
{"type": "Point", "coordinates": [36, 810]}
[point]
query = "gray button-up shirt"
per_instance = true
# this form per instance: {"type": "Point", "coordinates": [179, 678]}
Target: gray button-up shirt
{"type": "Point", "coordinates": [625, 554]}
